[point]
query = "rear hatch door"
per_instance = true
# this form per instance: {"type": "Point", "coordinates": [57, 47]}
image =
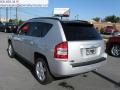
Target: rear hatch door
{"type": "Point", "coordinates": [84, 42]}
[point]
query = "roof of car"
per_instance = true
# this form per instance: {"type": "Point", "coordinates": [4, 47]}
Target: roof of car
{"type": "Point", "coordinates": [74, 21]}
{"type": "Point", "coordinates": [53, 18]}
{"type": "Point", "coordinates": [62, 21]}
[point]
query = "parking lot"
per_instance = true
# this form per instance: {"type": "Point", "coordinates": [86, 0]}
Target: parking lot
{"type": "Point", "coordinates": [15, 74]}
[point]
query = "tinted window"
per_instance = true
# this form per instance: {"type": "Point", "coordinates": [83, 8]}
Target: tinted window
{"type": "Point", "coordinates": [34, 29]}
{"type": "Point", "coordinates": [24, 29]}
{"type": "Point", "coordinates": [9, 24]}
{"type": "Point", "coordinates": [39, 29]}
{"type": "Point", "coordinates": [1, 24]}
{"type": "Point", "coordinates": [75, 32]}
{"type": "Point", "coordinates": [45, 28]}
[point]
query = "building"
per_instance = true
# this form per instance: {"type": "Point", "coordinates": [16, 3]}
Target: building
{"type": "Point", "coordinates": [3, 19]}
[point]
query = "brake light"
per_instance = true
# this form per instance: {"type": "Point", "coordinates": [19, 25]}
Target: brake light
{"type": "Point", "coordinates": [61, 50]}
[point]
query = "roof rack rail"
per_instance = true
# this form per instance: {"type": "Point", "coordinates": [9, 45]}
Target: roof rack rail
{"type": "Point", "coordinates": [45, 18]}
{"type": "Point", "coordinates": [76, 21]}
{"type": "Point", "coordinates": [81, 21]}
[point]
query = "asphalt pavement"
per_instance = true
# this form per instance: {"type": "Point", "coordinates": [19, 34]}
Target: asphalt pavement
{"type": "Point", "coordinates": [111, 70]}
{"type": "Point", "coordinates": [15, 74]}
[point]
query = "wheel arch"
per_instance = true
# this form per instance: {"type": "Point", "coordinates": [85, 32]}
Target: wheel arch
{"type": "Point", "coordinates": [111, 44]}
{"type": "Point", "coordinates": [114, 43]}
{"type": "Point", "coordinates": [39, 55]}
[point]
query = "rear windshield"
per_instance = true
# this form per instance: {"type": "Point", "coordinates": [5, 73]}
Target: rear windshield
{"type": "Point", "coordinates": [78, 32]}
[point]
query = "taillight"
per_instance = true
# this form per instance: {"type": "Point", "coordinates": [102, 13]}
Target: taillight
{"type": "Point", "coordinates": [61, 51]}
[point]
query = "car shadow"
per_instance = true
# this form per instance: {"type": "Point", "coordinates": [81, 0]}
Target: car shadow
{"type": "Point", "coordinates": [29, 66]}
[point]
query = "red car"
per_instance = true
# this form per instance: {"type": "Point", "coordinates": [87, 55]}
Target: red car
{"type": "Point", "coordinates": [113, 46]}
{"type": "Point", "coordinates": [109, 30]}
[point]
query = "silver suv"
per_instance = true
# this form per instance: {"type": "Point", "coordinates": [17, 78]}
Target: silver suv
{"type": "Point", "coordinates": [58, 48]}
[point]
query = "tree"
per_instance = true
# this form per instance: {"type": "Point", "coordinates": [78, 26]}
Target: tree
{"type": "Point", "coordinates": [15, 21]}
{"type": "Point", "coordinates": [12, 20]}
{"type": "Point", "coordinates": [113, 19]}
{"type": "Point", "coordinates": [20, 22]}
{"type": "Point", "coordinates": [97, 19]}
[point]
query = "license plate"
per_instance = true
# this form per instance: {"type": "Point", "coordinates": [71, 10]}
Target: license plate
{"type": "Point", "coordinates": [90, 51]}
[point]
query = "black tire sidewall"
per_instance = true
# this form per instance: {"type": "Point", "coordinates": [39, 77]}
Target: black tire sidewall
{"type": "Point", "coordinates": [13, 53]}
{"type": "Point", "coordinates": [5, 31]}
{"type": "Point", "coordinates": [48, 77]}
{"type": "Point", "coordinates": [111, 50]}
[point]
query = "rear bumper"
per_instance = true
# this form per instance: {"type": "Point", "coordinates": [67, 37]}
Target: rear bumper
{"type": "Point", "coordinates": [89, 62]}
{"type": "Point", "coordinates": [61, 69]}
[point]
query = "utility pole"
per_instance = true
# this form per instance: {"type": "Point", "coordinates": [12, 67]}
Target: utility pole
{"type": "Point", "coordinates": [77, 17]}
{"type": "Point", "coordinates": [17, 15]}
{"type": "Point", "coordinates": [10, 13]}
{"type": "Point", "coordinates": [6, 14]}
{"type": "Point", "coordinates": [0, 14]}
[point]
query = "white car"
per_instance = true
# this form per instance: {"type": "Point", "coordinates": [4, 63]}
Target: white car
{"type": "Point", "coordinates": [58, 48]}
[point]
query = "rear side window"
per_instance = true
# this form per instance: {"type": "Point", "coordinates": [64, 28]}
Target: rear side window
{"type": "Point", "coordinates": [34, 30]}
{"type": "Point", "coordinates": [79, 32]}
{"type": "Point", "coordinates": [45, 27]}
{"type": "Point", "coordinates": [38, 29]}
{"type": "Point", "coordinates": [24, 29]}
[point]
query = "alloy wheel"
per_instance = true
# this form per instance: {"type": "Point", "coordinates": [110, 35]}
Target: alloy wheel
{"type": "Point", "coordinates": [40, 71]}
{"type": "Point", "coordinates": [115, 50]}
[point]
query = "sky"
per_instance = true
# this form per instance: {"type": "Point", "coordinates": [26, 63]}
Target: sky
{"type": "Point", "coordinates": [85, 9]}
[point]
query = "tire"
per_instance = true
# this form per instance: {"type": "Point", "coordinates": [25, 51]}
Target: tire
{"type": "Point", "coordinates": [115, 50]}
{"type": "Point", "coordinates": [42, 72]}
{"type": "Point", "coordinates": [10, 51]}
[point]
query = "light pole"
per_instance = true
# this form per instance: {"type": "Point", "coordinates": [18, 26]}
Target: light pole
{"type": "Point", "coordinates": [6, 14]}
{"type": "Point", "coordinates": [10, 13]}
{"type": "Point", "coordinates": [0, 13]}
{"type": "Point", "coordinates": [17, 15]}
{"type": "Point", "coordinates": [77, 17]}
